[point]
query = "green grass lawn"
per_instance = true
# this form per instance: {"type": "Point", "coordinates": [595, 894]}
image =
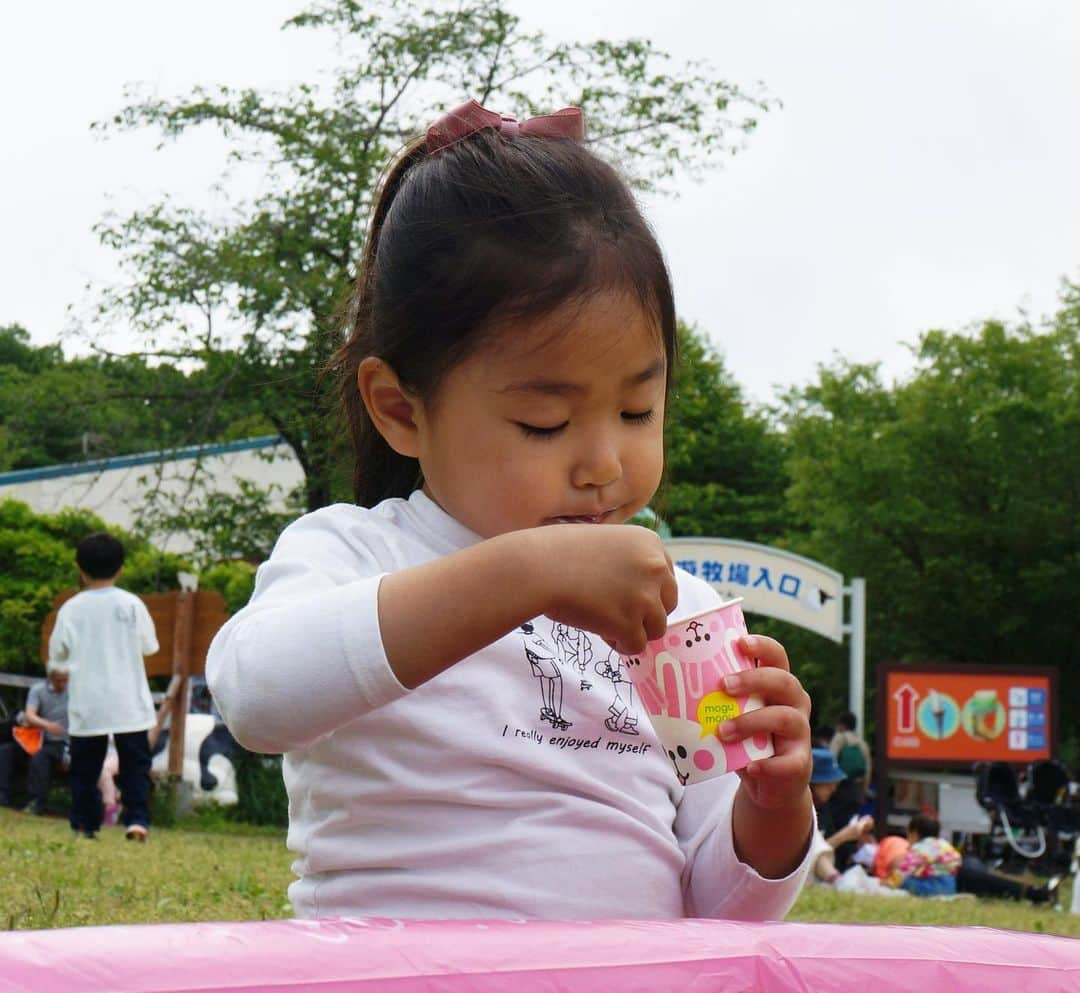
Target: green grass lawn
{"type": "Point", "coordinates": [49, 879]}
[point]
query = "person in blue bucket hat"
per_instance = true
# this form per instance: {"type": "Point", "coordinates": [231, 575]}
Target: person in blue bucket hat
{"type": "Point", "coordinates": [824, 777]}
{"type": "Point", "coordinates": [825, 769]}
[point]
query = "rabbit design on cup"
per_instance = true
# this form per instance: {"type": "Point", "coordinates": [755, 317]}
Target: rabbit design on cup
{"type": "Point", "coordinates": [681, 690]}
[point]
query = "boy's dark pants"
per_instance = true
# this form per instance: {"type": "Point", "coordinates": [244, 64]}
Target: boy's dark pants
{"type": "Point", "coordinates": [41, 765]}
{"type": "Point", "coordinates": [87, 758]}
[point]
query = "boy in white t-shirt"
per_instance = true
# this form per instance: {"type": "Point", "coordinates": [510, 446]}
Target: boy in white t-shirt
{"type": "Point", "coordinates": [104, 633]}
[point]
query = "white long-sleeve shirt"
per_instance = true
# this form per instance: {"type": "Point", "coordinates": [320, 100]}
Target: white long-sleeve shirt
{"type": "Point", "coordinates": [524, 781]}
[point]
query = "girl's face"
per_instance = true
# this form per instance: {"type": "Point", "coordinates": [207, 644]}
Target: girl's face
{"type": "Point", "coordinates": [557, 420]}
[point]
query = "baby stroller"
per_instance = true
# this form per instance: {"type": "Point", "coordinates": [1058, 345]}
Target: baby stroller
{"type": "Point", "coordinates": [1049, 791]}
{"type": "Point", "coordinates": [1016, 826]}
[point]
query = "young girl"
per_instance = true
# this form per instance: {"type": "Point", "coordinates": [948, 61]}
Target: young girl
{"type": "Point", "coordinates": [418, 657]}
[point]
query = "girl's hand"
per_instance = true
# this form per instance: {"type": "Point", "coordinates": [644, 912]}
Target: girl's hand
{"type": "Point", "coordinates": [781, 780]}
{"type": "Point", "coordinates": [616, 581]}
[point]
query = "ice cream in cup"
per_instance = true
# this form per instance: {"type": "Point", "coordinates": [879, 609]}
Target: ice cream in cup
{"type": "Point", "coordinates": [678, 680]}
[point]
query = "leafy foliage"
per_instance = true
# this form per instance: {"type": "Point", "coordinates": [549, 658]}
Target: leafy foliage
{"type": "Point", "coordinates": [223, 526]}
{"type": "Point", "coordinates": [55, 410]}
{"type": "Point", "coordinates": [954, 493]}
{"type": "Point", "coordinates": [725, 463]}
{"type": "Point", "coordinates": [260, 790]}
{"type": "Point", "coordinates": [233, 580]}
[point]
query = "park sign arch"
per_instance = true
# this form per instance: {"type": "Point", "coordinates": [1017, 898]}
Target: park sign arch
{"type": "Point", "coordinates": [788, 587]}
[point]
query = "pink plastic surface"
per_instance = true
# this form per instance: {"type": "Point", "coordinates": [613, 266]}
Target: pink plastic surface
{"type": "Point", "coordinates": [678, 679]}
{"type": "Point", "coordinates": [334, 956]}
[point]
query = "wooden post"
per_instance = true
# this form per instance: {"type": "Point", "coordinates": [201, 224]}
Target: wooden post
{"type": "Point", "coordinates": [185, 615]}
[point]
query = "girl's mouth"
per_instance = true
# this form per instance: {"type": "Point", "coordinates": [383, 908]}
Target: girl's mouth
{"type": "Point", "coordinates": [582, 518]}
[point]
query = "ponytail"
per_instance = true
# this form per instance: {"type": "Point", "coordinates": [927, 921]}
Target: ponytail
{"type": "Point", "coordinates": [378, 471]}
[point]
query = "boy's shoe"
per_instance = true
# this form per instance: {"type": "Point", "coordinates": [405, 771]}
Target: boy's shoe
{"type": "Point", "coordinates": [136, 832]}
{"type": "Point", "coordinates": [85, 835]}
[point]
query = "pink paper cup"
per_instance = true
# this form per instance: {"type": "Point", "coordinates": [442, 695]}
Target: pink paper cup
{"type": "Point", "coordinates": [678, 680]}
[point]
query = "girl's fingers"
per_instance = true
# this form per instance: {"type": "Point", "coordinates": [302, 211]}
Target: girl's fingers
{"type": "Point", "coordinates": [655, 623]}
{"type": "Point", "coordinates": [669, 593]}
{"type": "Point", "coordinates": [783, 722]}
{"type": "Point", "coordinates": [773, 685]}
{"type": "Point", "coordinates": [792, 765]}
{"type": "Point", "coordinates": [766, 651]}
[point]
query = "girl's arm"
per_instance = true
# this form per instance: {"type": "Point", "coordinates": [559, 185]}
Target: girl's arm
{"type": "Point", "coordinates": [616, 582]}
{"type": "Point", "coordinates": [718, 882]}
{"type": "Point", "coordinates": [332, 633]}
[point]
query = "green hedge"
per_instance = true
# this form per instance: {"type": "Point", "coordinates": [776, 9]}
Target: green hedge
{"type": "Point", "coordinates": [260, 789]}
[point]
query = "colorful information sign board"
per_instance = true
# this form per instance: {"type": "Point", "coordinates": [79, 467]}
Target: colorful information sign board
{"type": "Point", "coordinates": [966, 714]}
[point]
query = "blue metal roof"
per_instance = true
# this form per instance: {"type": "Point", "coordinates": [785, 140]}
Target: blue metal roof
{"type": "Point", "coordinates": [140, 458]}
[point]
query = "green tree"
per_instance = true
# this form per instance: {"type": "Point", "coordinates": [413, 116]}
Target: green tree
{"type": "Point", "coordinates": [955, 493]}
{"type": "Point", "coordinates": [17, 351]}
{"type": "Point", "coordinates": [56, 410]}
{"type": "Point", "coordinates": [725, 462]}
{"type": "Point", "coordinates": [728, 478]}
{"type": "Point", "coordinates": [224, 527]}
{"type": "Point", "coordinates": [255, 286]}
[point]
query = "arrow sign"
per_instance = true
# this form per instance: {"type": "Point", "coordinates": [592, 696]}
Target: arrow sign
{"type": "Point", "coordinates": [905, 698]}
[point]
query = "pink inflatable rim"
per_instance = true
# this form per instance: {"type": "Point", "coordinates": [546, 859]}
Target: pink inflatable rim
{"type": "Point", "coordinates": [338, 955]}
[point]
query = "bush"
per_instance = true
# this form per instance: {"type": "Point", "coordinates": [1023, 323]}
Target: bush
{"type": "Point", "coordinates": [162, 804]}
{"type": "Point", "coordinates": [233, 580]}
{"type": "Point", "coordinates": [260, 789]}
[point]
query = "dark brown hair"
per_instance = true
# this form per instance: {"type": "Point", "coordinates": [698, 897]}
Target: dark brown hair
{"type": "Point", "coordinates": [924, 825]}
{"type": "Point", "coordinates": [100, 555]}
{"type": "Point", "coordinates": [467, 241]}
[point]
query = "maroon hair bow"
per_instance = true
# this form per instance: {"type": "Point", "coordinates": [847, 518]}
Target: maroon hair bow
{"type": "Point", "coordinates": [471, 117]}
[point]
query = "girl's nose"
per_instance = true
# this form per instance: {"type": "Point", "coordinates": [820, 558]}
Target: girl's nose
{"type": "Point", "coordinates": [598, 466]}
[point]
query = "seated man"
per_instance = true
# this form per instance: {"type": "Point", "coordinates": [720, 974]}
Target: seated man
{"type": "Point", "coordinates": [46, 710]}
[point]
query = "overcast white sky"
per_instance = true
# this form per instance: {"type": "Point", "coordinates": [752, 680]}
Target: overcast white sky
{"type": "Point", "coordinates": [923, 171]}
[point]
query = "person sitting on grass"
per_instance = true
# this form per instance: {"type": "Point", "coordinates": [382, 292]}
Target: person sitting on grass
{"type": "Point", "coordinates": [933, 866]}
{"type": "Point", "coordinates": [930, 865]}
{"type": "Point", "coordinates": [47, 714]}
{"type": "Point", "coordinates": [824, 779]}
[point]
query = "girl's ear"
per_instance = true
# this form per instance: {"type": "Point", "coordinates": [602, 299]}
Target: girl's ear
{"type": "Point", "coordinates": [391, 407]}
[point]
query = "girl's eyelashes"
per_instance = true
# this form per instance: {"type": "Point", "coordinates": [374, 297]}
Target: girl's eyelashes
{"type": "Point", "coordinates": [535, 431]}
{"type": "Point", "coordinates": [532, 431]}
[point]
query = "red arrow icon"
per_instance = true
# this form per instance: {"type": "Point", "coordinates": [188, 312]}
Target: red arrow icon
{"type": "Point", "coordinates": [905, 698]}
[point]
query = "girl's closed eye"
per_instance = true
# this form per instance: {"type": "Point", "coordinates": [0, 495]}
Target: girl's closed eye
{"type": "Point", "coordinates": [536, 431]}
{"type": "Point", "coordinates": [640, 417]}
